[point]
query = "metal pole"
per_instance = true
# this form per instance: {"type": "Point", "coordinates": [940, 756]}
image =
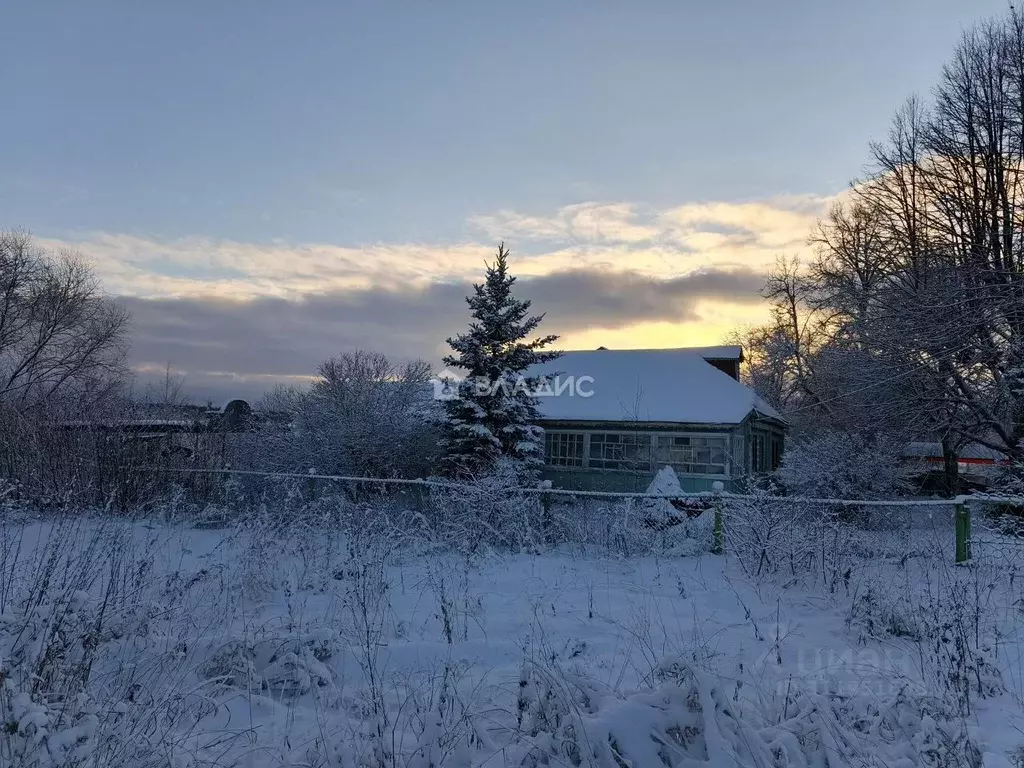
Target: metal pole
{"type": "Point", "coordinates": [963, 533]}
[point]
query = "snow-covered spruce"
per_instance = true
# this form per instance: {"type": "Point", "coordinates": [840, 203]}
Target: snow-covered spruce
{"type": "Point", "coordinates": [495, 410]}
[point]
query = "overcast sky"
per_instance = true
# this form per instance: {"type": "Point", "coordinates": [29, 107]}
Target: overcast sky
{"type": "Point", "coordinates": [266, 184]}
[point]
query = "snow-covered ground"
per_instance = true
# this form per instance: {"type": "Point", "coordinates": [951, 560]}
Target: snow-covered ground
{"type": "Point", "coordinates": [152, 644]}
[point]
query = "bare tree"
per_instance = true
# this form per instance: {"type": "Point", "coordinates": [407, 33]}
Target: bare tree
{"type": "Point", "coordinates": [61, 339]}
{"type": "Point", "coordinates": [62, 369]}
{"type": "Point", "coordinates": [166, 393]}
{"type": "Point", "coordinates": [911, 316]}
{"type": "Point", "coordinates": [766, 368]}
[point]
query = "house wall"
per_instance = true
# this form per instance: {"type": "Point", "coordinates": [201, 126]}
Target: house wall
{"type": "Point", "coordinates": [730, 367]}
{"type": "Point", "coordinates": [763, 446]}
{"type": "Point", "coordinates": [740, 450]}
{"type": "Point", "coordinates": [588, 477]}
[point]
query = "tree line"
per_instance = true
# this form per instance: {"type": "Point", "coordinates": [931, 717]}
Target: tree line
{"type": "Point", "coordinates": [909, 319]}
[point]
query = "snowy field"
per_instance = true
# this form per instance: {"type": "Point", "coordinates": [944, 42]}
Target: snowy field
{"type": "Point", "coordinates": [156, 643]}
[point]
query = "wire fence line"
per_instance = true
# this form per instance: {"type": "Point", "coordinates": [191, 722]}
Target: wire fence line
{"type": "Point", "coordinates": [545, 490]}
{"type": "Point", "coordinates": [748, 520]}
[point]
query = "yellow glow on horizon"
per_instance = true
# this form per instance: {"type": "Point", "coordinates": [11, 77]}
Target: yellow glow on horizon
{"type": "Point", "coordinates": [719, 322]}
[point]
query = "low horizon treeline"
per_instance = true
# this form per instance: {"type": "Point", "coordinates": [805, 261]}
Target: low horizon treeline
{"type": "Point", "coordinates": [67, 394]}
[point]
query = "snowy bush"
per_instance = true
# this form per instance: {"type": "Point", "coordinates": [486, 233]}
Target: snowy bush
{"type": "Point", "coordinates": [875, 614]}
{"type": "Point", "coordinates": [288, 666]}
{"type": "Point", "coordinates": [769, 534]}
{"type": "Point", "coordinates": [804, 541]}
{"type": "Point", "coordinates": [633, 527]}
{"type": "Point", "coordinates": [488, 510]}
{"type": "Point", "coordinates": [1007, 515]}
{"type": "Point", "coordinates": [628, 528]}
{"type": "Point", "coordinates": [363, 416]}
{"type": "Point", "coordinates": [843, 465]}
{"type": "Point", "coordinates": [36, 735]}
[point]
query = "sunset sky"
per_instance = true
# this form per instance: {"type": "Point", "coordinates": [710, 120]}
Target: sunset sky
{"type": "Point", "coordinates": [265, 184]}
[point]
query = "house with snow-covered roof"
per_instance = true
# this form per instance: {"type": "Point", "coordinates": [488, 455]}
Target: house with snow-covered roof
{"type": "Point", "coordinates": [613, 418]}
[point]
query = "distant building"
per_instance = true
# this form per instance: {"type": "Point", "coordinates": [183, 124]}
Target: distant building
{"type": "Point", "coordinates": [186, 432]}
{"type": "Point", "coordinates": [977, 465]}
{"type": "Point", "coordinates": [613, 418]}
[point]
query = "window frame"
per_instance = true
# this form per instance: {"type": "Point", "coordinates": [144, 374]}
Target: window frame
{"type": "Point", "coordinates": [726, 462]}
{"type": "Point", "coordinates": [765, 451]}
{"type": "Point", "coordinates": [652, 463]}
{"type": "Point", "coordinates": [642, 453]}
{"type": "Point", "coordinates": [564, 440]}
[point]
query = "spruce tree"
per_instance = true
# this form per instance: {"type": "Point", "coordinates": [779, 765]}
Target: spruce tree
{"type": "Point", "coordinates": [494, 414]}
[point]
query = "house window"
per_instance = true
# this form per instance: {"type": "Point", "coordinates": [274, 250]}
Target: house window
{"type": "Point", "coordinates": [563, 449]}
{"type": "Point", "coordinates": [692, 455]}
{"type": "Point", "coordinates": [766, 453]}
{"type": "Point", "coordinates": [620, 450]}
{"type": "Point", "coordinates": [776, 452]}
{"type": "Point", "coordinates": [696, 454]}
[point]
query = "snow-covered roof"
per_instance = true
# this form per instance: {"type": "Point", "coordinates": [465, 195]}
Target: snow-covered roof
{"type": "Point", "coordinates": [721, 352]}
{"type": "Point", "coordinates": [654, 385]}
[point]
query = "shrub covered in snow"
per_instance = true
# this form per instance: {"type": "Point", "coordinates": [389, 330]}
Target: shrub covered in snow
{"type": "Point", "coordinates": [363, 416]}
{"type": "Point", "coordinates": [488, 511]}
{"type": "Point", "coordinates": [844, 465]}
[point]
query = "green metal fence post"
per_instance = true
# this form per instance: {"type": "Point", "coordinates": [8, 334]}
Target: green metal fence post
{"type": "Point", "coordinates": [963, 533]}
{"type": "Point", "coordinates": [718, 542]}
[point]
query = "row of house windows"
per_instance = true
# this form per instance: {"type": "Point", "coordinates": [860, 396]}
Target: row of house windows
{"type": "Point", "coordinates": [638, 452]}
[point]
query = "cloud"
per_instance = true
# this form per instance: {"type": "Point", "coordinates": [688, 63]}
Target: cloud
{"type": "Point", "coordinates": [745, 232]}
{"type": "Point", "coordinates": [602, 236]}
{"type": "Point", "coordinates": [246, 345]}
{"type": "Point", "coordinates": [191, 266]}
{"type": "Point", "coordinates": [240, 315]}
{"type": "Point", "coordinates": [591, 222]}
{"type": "Point", "coordinates": [783, 224]}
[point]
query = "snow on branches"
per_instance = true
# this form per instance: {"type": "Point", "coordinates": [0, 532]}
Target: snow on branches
{"type": "Point", "coordinates": [489, 422]}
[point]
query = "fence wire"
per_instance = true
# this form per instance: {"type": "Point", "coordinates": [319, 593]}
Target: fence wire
{"type": "Point", "coordinates": [771, 533]}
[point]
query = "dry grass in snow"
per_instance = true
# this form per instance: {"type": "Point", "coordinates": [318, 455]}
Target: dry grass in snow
{"type": "Point", "coordinates": [147, 643]}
